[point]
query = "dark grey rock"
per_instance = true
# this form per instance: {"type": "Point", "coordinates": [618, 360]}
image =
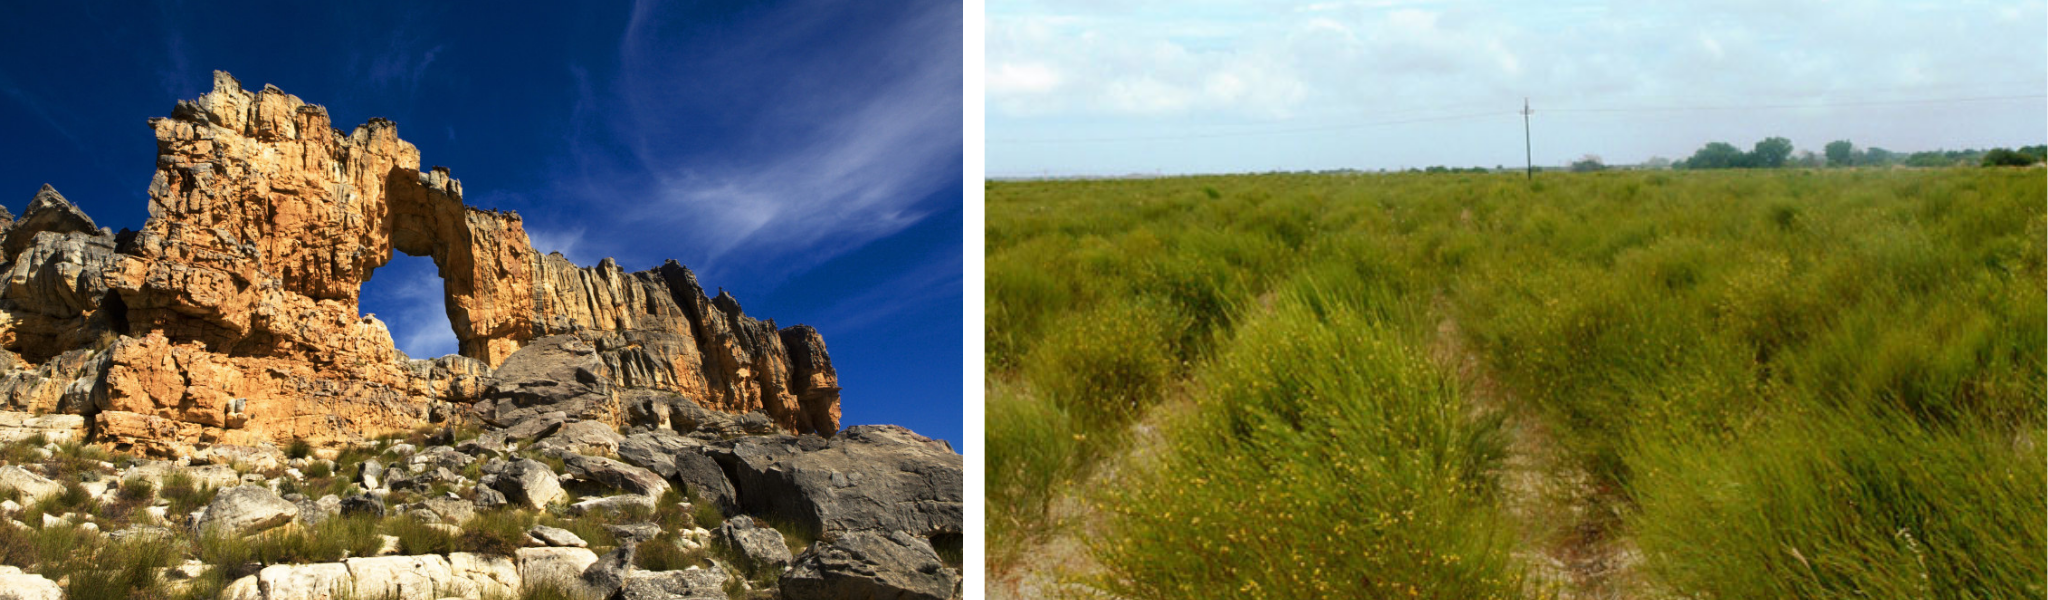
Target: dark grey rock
{"type": "Point", "coordinates": [867, 564]}
{"type": "Point", "coordinates": [616, 474]}
{"type": "Point", "coordinates": [487, 496]}
{"type": "Point", "coordinates": [608, 574]}
{"type": "Point", "coordinates": [761, 544]}
{"type": "Point", "coordinates": [534, 426]}
{"type": "Point", "coordinates": [634, 532]}
{"type": "Point", "coordinates": [869, 477]}
{"type": "Point", "coordinates": [559, 373]}
{"type": "Point", "coordinates": [490, 443]}
{"type": "Point", "coordinates": [370, 474]}
{"type": "Point", "coordinates": [362, 504]}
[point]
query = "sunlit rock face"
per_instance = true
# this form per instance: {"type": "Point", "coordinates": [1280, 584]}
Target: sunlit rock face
{"type": "Point", "coordinates": [232, 317]}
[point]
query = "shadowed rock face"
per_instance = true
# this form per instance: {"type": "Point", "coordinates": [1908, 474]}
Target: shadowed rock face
{"type": "Point", "coordinates": [232, 316]}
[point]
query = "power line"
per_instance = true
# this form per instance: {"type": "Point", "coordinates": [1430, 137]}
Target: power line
{"type": "Point", "coordinates": [1479, 115]}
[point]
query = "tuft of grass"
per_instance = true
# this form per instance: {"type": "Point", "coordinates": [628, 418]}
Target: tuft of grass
{"type": "Point", "coordinates": [417, 537]}
{"type": "Point", "coordinates": [184, 494]}
{"type": "Point", "coordinates": [497, 532]}
{"type": "Point", "coordinates": [298, 448]}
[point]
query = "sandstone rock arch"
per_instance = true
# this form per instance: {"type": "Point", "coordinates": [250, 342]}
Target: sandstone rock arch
{"type": "Point", "coordinates": [236, 308]}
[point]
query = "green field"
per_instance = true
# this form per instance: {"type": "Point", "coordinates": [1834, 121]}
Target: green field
{"type": "Point", "coordinates": [1734, 384]}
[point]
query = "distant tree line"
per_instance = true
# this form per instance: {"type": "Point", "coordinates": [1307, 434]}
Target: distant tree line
{"type": "Point", "coordinates": [1776, 152]}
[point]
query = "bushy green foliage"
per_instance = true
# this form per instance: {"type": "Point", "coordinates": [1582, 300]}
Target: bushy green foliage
{"type": "Point", "coordinates": [1327, 458]}
{"type": "Point", "coordinates": [1797, 383]}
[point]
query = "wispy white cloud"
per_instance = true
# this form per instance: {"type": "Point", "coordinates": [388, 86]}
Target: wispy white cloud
{"type": "Point", "coordinates": [414, 296]}
{"type": "Point", "coordinates": [568, 241]}
{"type": "Point", "coordinates": [841, 147]}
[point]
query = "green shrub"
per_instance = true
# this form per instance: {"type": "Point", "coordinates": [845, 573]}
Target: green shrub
{"type": "Point", "coordinates": [1330, 429]}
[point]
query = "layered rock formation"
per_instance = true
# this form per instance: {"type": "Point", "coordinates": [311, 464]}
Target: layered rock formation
{"type": "Point", "coordinates": [232, 317]}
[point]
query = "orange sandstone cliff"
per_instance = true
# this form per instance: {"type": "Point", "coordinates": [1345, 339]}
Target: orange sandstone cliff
{"type": "Point", "coordinates": [232, 316]}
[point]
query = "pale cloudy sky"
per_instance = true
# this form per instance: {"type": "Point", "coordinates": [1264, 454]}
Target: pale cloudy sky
{"type": "Point", "coordinates": [1187, 86]}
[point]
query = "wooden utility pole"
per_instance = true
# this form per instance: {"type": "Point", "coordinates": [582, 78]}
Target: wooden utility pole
{"type": "Point", "coordinates": [1527, 155]}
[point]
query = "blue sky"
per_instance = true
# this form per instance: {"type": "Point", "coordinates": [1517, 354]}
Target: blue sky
{"type": "Point", "coordinates": [803, 155]}
{"type": "Point", "coordinates": [1110, 87]}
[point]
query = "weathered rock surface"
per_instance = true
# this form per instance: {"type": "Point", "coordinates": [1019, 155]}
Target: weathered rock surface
{"type": "Point", "coordinates": [318, 581]}
{"type": "Point", "coordinates": [246, 509]}
{"type": "Point", "coordinates": [758, 543]}
{"type": "Point", "coordinates": [559, 566]}
{"type": "Point", "coordinates": [527, 482]}
{"type": "Point", "coordinates": [234, 317]}
{"type": "Point", "coordinates": [33, 487]}
{"type": "Point", "coordinates": [56, 429]}
{"type": "Point", "coordinates": [616, 475]}
{"type": "Point", "coordinates": [869, 477]}
{"type": "Point", "coordinates": [544, 536]}
{"type": "Point", "coordinates": [865, 564]}
{"type": "Point", "coordinates": [16, 585]}
{"type": "Point", "coordinates": [689, 584]}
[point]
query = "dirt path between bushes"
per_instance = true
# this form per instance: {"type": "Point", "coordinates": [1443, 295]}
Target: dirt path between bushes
{"type": "Point", "coordinates": [1569, 524]}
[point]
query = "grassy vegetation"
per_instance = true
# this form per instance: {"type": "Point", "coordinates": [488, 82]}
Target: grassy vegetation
{"type": "Point", "coordinates": [1795, 383]}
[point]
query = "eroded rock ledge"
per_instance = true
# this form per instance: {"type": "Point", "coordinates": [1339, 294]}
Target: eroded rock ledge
{"type": "Point", "coordinates": [232, 317]}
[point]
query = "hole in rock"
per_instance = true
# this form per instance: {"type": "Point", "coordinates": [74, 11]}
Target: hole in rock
{"type": "Point", "coordinates": [407, 295]}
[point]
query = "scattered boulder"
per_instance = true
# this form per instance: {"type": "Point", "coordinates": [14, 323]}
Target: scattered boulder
{"type": "Point", "coordinates": [608, 574]}
{"type": "Point", "coordinates": [246, 509]}
{"type": "Point", "coordinates": [370, 474]}
{"type": "Point", "coordinates": [362, 504]}
{"type": "Point", "coordinates": [682, 460]}
{"type": "Point", "coordinates": [618, 503]}
{"type": "Point", "coordinates": [690, 584]}
{"type": "Point", "coordinates": [866, 564]}
{"type": "Point", "coordinates": [16, 585]}
{"type": "Point", "coordinates": [634, 533]}
{"type": "Point", "coordinates": [528, 483]}
{"type": "Point", "coordinates": [542, 535]}
{"type": "Point", "coordinates": [438, 457]}
{"type": "Point", "coordinates": [450, 510]}
{"type": "Point", "coordinates": [760, 544]}
{"type": "Point", "coordinates": [33, 487]}
{"type": "Point", "coordinates": [560, 566]}
{"type": "Point", "coordinates": [616, 474]}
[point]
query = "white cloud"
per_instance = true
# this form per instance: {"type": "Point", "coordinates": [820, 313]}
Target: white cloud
{"type": "Point", "coordinates": [1023, 78]}
{"type": "Point", "coordinates": [1141, 70]}
{"type": "Point", "coordinates": [840, 149]}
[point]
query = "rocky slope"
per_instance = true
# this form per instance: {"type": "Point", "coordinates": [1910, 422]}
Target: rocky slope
{"type": "Point", "coordinates": [232, 317]}
{"type": "Point", "coordinates": [197, 409]}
